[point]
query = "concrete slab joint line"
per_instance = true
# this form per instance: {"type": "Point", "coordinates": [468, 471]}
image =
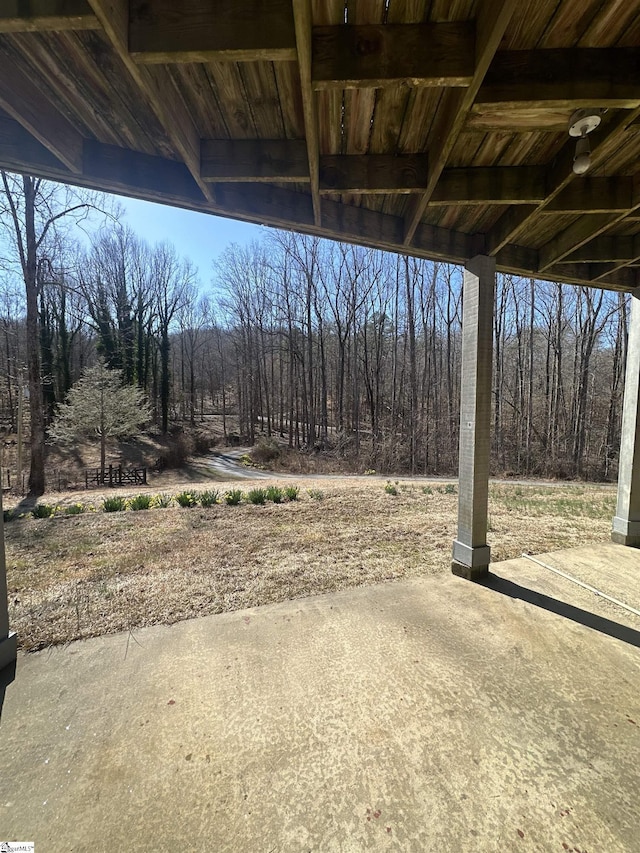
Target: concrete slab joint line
{"type": "Point", "coordinates": [471, 554]}
{"type": "Point", "coordinates": [626, 523]}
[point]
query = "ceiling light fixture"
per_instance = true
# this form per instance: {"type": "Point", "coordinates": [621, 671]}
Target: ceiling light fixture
{"type": "Point", "coordinates": [581, 123]}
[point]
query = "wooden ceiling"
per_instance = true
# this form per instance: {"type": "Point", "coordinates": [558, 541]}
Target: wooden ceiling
{"type": "Point", "coordinates": [433, 127]}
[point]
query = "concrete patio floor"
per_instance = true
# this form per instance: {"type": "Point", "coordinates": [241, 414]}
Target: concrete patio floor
{"type": "Point", "coordinates": [426, 715]}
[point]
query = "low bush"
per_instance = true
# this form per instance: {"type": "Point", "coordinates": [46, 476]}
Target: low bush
{"type": "Point", "coordinates": [257, 496]}
{"type": "Point", "coordinates": [449, 489]}
{"type": "Point", "coordinates": [74, 509]}
{"type": "Point", "coordinates": [291, 493]}
{"type": "Point", "coordinates": [186, 499]}
{"type": "Point", "coordinates": [43, 511]}
{"type": "Point", "coordinates": [275, 494]}
{"type": "Point", "coordinates": [265, 451]}
{"type": "Point", "coordinates": [390, 488]}
{"type": "Point", "coordinates": [233, 497]}
{"type": "Point", "coordinates": [162, 501]}
{"type": "Point", "coordinates": [209, 498]}
{"type": "Point", "coordinates": [316, 494]}
{"type": "Point", "coordinates": [140, 502]}
{"type": "Point", "coordinates": [114, 504]}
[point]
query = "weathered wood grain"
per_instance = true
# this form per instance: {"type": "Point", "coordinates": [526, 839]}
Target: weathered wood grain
{"type": "Point", "coordinates": [248, 160]}
{"type": "Point", "coordinates": [18, 16]}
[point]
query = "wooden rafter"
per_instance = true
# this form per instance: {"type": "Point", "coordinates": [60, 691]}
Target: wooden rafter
{"type": "Point", "coordinates": [157, 88]}
{"type": "Point", "coordinates": [165, 31]}
{"type": "Point", "coordinates": [302, 15]}
{"type": "Point", "coordinates": [490, 27]}
{"type": "Point", "coordinates": [20, 16]}
{"type": "Point", "coordinates": [351, 57]}
{"type": "Point", "coordinates": [497, 185]}
{"type": "Point", "coordinates": [21, 99]}
{"type": "Point", "coordinates": [607, 250]}
{"type": "Point", "coordinates": [373, 173]}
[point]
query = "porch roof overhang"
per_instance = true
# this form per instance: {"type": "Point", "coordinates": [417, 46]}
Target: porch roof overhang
{"type": "Point", "coordinates": [439, 129]}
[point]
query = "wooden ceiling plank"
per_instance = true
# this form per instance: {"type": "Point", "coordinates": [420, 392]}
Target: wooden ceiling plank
{"type": "Point", "coordinates": [163, 31]}
{"type": "Point", "coordinates": [570, 240]}
{"type": "Point", "coordinates": [22, 16]}
{"type": "Point", "coordinates": [373, 173]}
{"type": "Point", "coordinates": [22, 100]}
{"type": "Point", "coordinates": [157, 88]}
{"type": "Point", "coordinates": [372, 55]}
{"type": "Point", "coordinates": [302, 15]}
{"type": "Point", "coordinates": [491, 185]}
{"type": "Point", "coordinates": [253, 160]}
{"type": "Point", "coordinates": [491, 24]}
{"type": "Point", "coordinates": [563, 79]}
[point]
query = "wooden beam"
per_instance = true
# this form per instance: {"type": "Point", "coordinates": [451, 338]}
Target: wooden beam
{"type": "Point", "coordinates": [607, 250]}
{"type": "Point", "coordinates": [593, 195]}
{"type": "Point", "coordinates": [373, 173]}
{"type": "Point", "coordinates": [563, 79]}
{"type": "Point", "coordinates": [20, 151]}
{"type": "Point", "coordinates": [353, 57]}
{"type": "Point", "coordinates": [490, 26]}
{"type": "Point", "coordinates": [569, 241]}
{"type": "Point", "coordinates": [303, 17]}
{"type": "Point", "coordinates": [493, 185]}
{"type": "Point", "coordinates": [625, 280]}
{"type": "Point", "coordinates": [157, 88]}
{"type": "Point", "coordinates": [21, 99]}
{"type": "Point", "coordinates": [166, 31]}
{"type": "Point", "coordinates": [254, 160]}
{"type": "Point", "coordinates": [20, 16]}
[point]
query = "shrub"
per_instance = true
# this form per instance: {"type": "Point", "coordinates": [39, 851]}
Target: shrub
{"type": "Point", "coordinates": [316, 494]}
{"type": "Point", "coordinates": [114, 504]}
{"type": "Point", "coordinates": [74, 509]}
{"type": "Point", "coordinates": [209, 498]}
{"type": "Point", "coordinates": [427, 490]}
{"type": "Point", "coordinates": [275, 494]}
{"type": "Point", "coordinates": [233, 497]}
{"type": "Point", "coordinates": [186, 499]}
{"type": "Point", "coordinates": [162, 501]}
{"type": "Point", "coordinates": [449, 489]}
{"type": "Point", "coordinates": [265, 451]}
{"type": "Point", "coordinates": [370, 472]}
{"type": "Point", "coordinates": [140, 502]}
{"type": "Point", "coordinates": [390, 489]}
{"type": "Point", "coordinates": [257, 496]}
{"type": "Point", "coordinates": [291, 493]}
{"type": "Point", "coordinates": [43, 511]}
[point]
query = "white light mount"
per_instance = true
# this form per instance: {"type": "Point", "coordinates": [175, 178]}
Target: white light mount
{"type": "Point", "coordinates": [581, 124]}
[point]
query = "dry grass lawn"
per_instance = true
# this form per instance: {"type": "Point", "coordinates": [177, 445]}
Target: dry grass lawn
{"type": "Point", "coordinates": [79, 576]}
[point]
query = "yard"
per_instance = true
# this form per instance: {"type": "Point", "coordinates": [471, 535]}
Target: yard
{"type": "Point", "coordinates": [76, 576]}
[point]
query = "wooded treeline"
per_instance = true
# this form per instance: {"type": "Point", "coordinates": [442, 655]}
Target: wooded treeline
{"type": "Point", "coordinates": [327, 345]}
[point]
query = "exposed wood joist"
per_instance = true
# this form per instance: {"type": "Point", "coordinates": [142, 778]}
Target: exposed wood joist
{"type": "Point", "coordinates": [587, 228]}
{"type": "Point", "coordinates": [254, 160]}
{"type": "Point", "coordinates": [353, 57]}
{"type": "Point", "coordinates": [607, 250]}
{"type": "Point", "coordinates": [490, 27]}
{"type": "Point", "coordinates": [373, 173]}
{"type": "Point", "coordinates": [21, 99]}
{"type": "Point", "coordinates": [302, 15]}
{"type": "Point", "coordinates": [166, 31]}
{"type": "Point", "coordinates": [495, 185]}
{"type": "Point", "coordinates": [19, 16]}
{"type": "Point", "coordinates": [625, 280]}
{"type": "Point", "coordinates": [156, 86]}
{"type": "Point", "coordinates": [604, 142]}
{"type": "Point", "coordinates": [567, 79]}
{"type": "Point", "coordinates": [593, 195]}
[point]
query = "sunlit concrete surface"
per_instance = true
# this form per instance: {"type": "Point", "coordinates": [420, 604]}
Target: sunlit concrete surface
{"type": "Point", "coordinates": [429, 715]}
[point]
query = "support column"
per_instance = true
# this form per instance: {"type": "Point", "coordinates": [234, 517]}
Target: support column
{"type": "Point", "coordinates": [8, 639]}
{"type": "Point", "coordinates": [626, 522]}
{"type": "Point", "coordinates": [471, 554]}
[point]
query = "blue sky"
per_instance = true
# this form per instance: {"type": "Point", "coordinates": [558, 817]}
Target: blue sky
{"type": "Point", "coordinates": [197, 236]}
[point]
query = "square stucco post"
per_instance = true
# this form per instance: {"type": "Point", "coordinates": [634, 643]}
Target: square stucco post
{"type": "Point", "coordinates": [626, 522]}
{"type": "Point", "coordinates": [8, 640]}
{"type": "Point", "coordinates": [471, 554]}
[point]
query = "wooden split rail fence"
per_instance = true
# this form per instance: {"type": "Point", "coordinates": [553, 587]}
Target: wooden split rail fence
{"type": "Point", "coordinates": [115, 477]}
